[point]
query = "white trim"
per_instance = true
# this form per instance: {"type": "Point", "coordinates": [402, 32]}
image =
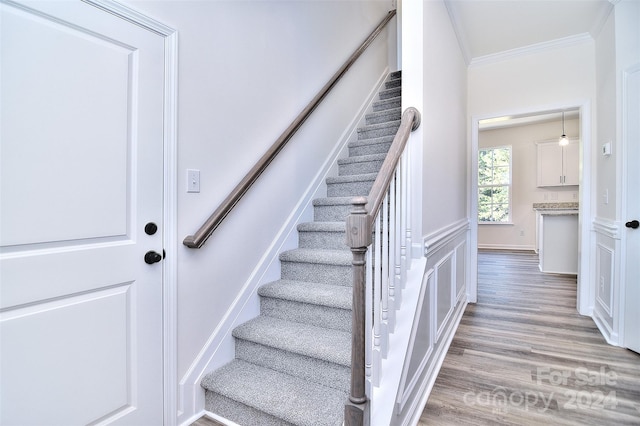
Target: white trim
{"type": "Point", "coordinates": [607, 227]}
{"type": "Point", "coordinates": [601, 19]}
{"type": "Point", "coordinates": [451, 258]}
{"type": "Point", "coordinates": [170, 203]}
{"type": "Point", "coordinates": [560, 43]}
{"type": "Point", "coordinates": [506, 247]}
{"type": "Point", "coordinates": [459, 31]}
{"type": "Point", "coordinates": [606, 331]}
{"type": "Point", "coordinates": [170, 232]}
{"type": "Point", "coordinates": [428, 285]}
{"type": "Point", "coordinates": [131, 15]}
{"type": "Point", "coordinates": [608, 307]}
{"type": "Point", "coordinates": [437, 239]}
{"type": "Point", "coordinates": [586, 286]}
{"type": "Point", "coordinates": [441, 352]}
{"type": "Point", "coordinates": [219, 347]}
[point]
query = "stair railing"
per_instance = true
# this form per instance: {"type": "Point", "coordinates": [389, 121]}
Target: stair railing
{"type": "Point", "coordinates": [198, 239]}
{"type": "Point", "coordinates": [378, 234]}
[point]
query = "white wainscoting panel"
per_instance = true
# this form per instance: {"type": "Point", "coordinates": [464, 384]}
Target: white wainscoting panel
{"type": "Point", "coordinates": [606, 306]}
{"type": "Point", "coordinates": [438, 312]}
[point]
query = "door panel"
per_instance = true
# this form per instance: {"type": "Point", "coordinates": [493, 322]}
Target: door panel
{"type": "Point", "coordinates": [81, 173]}
{"type": "Point", "coordinates": [44, 60]}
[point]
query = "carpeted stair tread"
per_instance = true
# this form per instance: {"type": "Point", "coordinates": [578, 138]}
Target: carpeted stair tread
{"type": "Point", "coordinates": [280, 395]}
{"type": "Point", "coordinates": [303, 339]}
{"type": "Point", "coordinates": [395, 74]}
{"type": "Point", "coordinates": [394, 82]}
{"type": "Point", "coordinates": [390, 93]}
{"type": "Point", "coordinates": [392, 114]}
{"type": "Point", "coordinates": [378, 130]}
{"type": "Point", "coordinates": [372, 141]}
{"type": "Point", "coordinates": [332, 209]}
{"type": "Point", "coordinates": [313, 293]}
{"type": "Point", "coordinates": [388, 103]}
{"type": "Point", "coordinates": [322, 227]}
{"type": "Point", "coordinates": [351, 178]}
{"type": "Point", "coordinates": [327, 257]}
{"type": "Point", "coordinates": [332, 201]}
{"type": "Point", "coordinates": [362, 159]}
{"type": "Point", "coordinates": [328, 235]}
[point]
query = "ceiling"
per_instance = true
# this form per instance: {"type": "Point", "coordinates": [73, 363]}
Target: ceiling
{"type": "Point", "coordinates": [486, 28]}
{"type": "Point", "coordinates": [524, 120]}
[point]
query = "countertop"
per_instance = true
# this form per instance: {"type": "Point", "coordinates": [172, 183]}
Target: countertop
{"type": "Point", "coordinates": [556, 208]}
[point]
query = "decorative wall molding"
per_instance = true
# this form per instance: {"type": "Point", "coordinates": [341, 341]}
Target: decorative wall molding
{"type": "Point", "coordinates": [428, 380]}
{"type": "Point", "coordinates": [458, 29]}
{"type": "Point", "coordinates": [560, 43]}
{"type": "Point", "coordinates": [436, 240]}
{"type": "Point", "coordinates": [446, 256]}
{"type": "Point", "coordinates": [448, 280]}
{"type": "Point", "coordinates": [605, 258]}
{"type": "Point", "coordinates": [607, 227]}
{"type": "Point", "coordinates": [427, 294]}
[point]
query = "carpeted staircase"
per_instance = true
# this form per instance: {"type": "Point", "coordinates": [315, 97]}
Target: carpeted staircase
{"type": "Point", "coordinates": [292, 362]}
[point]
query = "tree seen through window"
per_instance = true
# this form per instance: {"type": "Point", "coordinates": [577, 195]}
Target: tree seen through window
{"type": "Point", "coordinates": [494, 184]}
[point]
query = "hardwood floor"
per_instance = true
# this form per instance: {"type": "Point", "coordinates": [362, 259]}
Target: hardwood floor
{"type": "Point", "coordinates": [523, 355]}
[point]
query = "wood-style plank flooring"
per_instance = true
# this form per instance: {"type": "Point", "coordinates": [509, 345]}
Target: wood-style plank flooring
{"type": "Point", "coordinates": [524, 356]}
{"type": "Point", "coordinates": [206, 421]}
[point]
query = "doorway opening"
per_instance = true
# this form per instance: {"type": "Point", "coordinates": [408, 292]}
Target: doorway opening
{"type": "Point", "coordinates": [521, 131]}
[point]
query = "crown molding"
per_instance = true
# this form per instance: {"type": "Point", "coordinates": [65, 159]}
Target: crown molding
{"type": "Point", "coordinates": [459, 31]}
{"type": "Point", "coordinates": [605, 11]}
{"type": "Point", "coordinates": [531, 49]}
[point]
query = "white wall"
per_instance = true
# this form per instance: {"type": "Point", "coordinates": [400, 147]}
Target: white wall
{"type": "Point", "coordinates": [435, 81]}
{"type": "Point", "coordinates": [527, 82]}
{"type": "Point", "coordinates": [246, 69]}
{"type": "Point", "coordinates": [606, 118]}
{"type": "Point", "coordinates": [444, 196]}
{"type": "Point", "coordinates": [617, 51]}
{"type": "Point", "coordinates": [521, 234]}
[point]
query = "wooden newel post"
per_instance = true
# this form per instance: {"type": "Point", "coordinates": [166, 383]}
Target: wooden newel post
{"type": "Point", "coordinates": [358, 238]}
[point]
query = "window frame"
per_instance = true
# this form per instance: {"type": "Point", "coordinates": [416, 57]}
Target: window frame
{"type": "Point", "coordinates": [509, 186]}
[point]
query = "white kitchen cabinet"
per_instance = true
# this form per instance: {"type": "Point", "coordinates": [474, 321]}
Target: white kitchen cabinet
{"type": "Point", "coordinates": [558, 165]}
{"type": "Point", "coordinates": [558, 242]}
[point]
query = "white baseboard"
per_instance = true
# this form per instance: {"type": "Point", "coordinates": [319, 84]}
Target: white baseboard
{"type": "Point", "coordinates": [607, 332]}
{"type": "Point", "coordinates": [506, 247]}
{"type": "Point", "coordinates": [219, 348]}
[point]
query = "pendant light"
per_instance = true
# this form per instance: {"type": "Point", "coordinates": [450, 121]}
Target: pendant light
{"type": "Point", "coordinates": [564, 140]}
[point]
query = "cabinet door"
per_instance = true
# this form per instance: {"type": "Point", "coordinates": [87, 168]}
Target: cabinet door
{"type": "Point", "coordinates": [571, 163]}
{"type": "Point", "coordinates": [549, 164]}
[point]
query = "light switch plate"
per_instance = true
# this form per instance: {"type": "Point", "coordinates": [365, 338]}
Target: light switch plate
{"type": "Point", "coordinates": [193, 180]}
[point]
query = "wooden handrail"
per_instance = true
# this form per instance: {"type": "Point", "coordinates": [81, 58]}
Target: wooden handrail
{"type": "Point", "coordinates": [360, 225]}
{"type": "Point", "coordinates": [410, 121]}
{"type": "Point", "coordinates": [198, 239]}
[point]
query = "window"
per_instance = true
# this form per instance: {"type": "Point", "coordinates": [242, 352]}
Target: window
{"type": "Point", "coordinates": [494, 185]}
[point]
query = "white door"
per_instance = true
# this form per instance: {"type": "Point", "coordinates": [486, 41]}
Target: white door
{"type": "Point", "coordinates": [81, 174]}
{"type": "Point", "coordinates": [632, 211]}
